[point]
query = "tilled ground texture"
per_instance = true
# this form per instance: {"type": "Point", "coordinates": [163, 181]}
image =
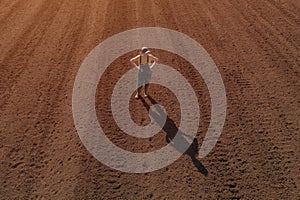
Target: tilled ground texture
{"type": "Point", "coordinates": [255, 45]}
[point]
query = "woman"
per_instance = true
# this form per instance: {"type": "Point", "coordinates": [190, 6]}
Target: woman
{"type": "Point", "coordinates": [144, 66]}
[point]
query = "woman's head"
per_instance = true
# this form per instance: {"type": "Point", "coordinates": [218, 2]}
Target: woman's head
{"type": "Point", "coordinates": [145, 50]}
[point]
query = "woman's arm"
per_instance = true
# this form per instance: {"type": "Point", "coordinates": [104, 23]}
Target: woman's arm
{"type": "Point", "coordinates": [133, 63]}
{"type": "Point", "coordinates": [155, 60]}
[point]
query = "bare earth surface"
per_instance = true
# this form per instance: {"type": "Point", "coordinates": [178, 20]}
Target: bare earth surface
{"type": "Point", "coordinates": [256, 46]}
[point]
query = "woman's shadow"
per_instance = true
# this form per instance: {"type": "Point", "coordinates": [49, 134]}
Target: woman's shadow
{"type": "Point", "coordinates": [171, 129]}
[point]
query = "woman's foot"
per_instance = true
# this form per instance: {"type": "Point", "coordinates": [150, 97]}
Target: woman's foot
{"type": "Point", "coordinates": [137, 96]}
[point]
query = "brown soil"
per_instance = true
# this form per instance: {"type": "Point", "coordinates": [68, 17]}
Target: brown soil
{"type": "Point", "coordinates": [255, 45]}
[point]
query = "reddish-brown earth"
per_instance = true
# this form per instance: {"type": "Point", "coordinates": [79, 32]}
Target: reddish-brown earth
{"type": "Point", "coordinates": [256, 46]}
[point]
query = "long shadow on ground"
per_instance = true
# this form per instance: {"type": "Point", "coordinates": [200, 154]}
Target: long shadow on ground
{"type": "Point", "coordinates": [171, 129]}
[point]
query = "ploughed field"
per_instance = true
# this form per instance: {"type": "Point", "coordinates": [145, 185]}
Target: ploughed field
{"type": "Point", "coordinates": [256, 47]}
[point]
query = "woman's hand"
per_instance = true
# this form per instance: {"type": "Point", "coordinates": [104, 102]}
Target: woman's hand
{"type": "Point", "coordinates": [133, 63]}
{"type": "Point", "coordinates": [155, 61]}
{"type": "Point", "coordinates": [152, 65]}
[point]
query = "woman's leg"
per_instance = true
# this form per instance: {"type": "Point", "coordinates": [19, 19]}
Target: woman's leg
{"type": "Point", "coordinates": [147, 82]}
{"type": "Point", "coordinates": [139, 85]}
{"type": "Point", "coordinates": [138, 92]}
{"type": "Point", "coordinates": [146, 89]}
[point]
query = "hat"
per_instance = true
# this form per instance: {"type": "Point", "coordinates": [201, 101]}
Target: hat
{"type": "Point", "coordinates": [145, 50]}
